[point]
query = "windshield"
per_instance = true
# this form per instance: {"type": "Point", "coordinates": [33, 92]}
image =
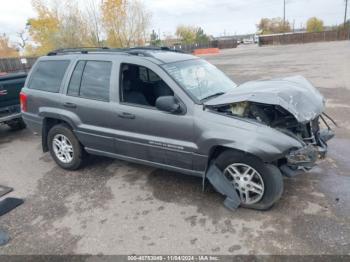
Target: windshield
{"type": "Point", "coordinates": [200, 78]}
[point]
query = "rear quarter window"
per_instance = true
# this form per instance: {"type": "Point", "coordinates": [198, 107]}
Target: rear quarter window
{"type": "Point", "coordinates": [96, 80]}
{"type": "Point", "coordinates": [48, 75]}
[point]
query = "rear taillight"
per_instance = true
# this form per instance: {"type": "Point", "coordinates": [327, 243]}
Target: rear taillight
{"type": "Point", "coordinates": [23, 101]}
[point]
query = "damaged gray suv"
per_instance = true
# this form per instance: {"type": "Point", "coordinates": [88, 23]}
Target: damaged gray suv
{"type": "Point", "coordinates": [178, 112]}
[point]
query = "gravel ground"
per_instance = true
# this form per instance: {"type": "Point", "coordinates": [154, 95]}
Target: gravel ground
{"type": "Point", "coordinates": [114, 207]}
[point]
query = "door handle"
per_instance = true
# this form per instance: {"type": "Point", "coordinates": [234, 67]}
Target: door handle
{"type": "Point", "coordinates": [126, 115]}
{"type": "Point", "coordinates": [70, 105]}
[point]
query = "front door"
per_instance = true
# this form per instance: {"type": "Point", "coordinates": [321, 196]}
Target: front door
{"type": "Point", "coordinates": [146, 132]}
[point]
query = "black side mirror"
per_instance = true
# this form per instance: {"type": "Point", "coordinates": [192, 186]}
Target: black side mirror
{"type": "Point", "coordinates": [168, 104]}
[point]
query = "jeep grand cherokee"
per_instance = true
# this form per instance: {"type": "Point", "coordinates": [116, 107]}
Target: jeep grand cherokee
{"type": "Point", "coordinates": [178, 112]}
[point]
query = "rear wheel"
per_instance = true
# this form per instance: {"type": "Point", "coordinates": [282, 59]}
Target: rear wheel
{"type": "Point", "coordinates": [64, 147]}
{"type": "Point", "coordinates": [258, 185]}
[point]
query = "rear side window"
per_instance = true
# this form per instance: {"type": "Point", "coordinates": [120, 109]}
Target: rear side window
{"type": "Point", "coordinates": [48, 75]}
{"type": "Point", "coordinates": [91, 79]}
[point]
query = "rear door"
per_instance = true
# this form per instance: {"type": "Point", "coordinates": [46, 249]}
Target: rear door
{"type": "Point", "coordinates": [88, 100]}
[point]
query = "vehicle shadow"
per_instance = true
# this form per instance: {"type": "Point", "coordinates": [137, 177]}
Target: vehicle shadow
{"type": "Point", "coordinates": [186, 190]}
{"type": "Point", "coordinates": [7, 135]}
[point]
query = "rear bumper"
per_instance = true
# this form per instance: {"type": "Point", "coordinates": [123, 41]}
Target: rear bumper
{"type": "Point", "coordinates": [10, 117]}
{"type": "Point", "coordinates": [10, 113]}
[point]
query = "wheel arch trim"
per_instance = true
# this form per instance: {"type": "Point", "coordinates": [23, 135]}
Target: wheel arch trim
{"type": "Point", "coordinates": [50, 120]}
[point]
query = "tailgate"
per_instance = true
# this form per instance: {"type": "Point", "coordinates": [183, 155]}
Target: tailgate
{"type": "Point", "coordinates": [10, 87]}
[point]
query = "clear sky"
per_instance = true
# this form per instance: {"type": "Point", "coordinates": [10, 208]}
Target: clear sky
{"type": "Point", "coordinates": [216, 17]}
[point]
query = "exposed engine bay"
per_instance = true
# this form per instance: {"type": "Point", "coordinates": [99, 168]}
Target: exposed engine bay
{"type": "Point", "coordinates": [275, 117]}
{"type": "Point", "coordinates": [309, 133]}
{"type": "Point", "coordinates": [291, 105]}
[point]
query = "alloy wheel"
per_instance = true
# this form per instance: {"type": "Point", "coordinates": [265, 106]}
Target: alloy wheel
{"type": "Point", "coordinates": [247, 182]}
{"type": "Point", "coordinates": [63, 148]}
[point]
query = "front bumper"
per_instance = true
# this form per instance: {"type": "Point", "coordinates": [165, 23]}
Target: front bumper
{"type": "Point", "coordinates": [303, 159]}
{"type": "Point", "coordinates": [299, 161]}
{"type": "Point", "coordinates": [310, 153]}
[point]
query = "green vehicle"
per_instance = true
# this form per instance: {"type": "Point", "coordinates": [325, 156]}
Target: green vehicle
{"type": "Point", "coordinates": [10, 109]}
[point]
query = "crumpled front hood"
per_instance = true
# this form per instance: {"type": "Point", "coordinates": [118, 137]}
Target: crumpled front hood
{"type": "Point", "coordinates": [295, 94]}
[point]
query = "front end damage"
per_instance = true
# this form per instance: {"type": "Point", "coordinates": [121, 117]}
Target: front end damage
{"type": "Point", "coordinates": [303, 159]}
{"type": "Point", "coordinates": [290, 105]}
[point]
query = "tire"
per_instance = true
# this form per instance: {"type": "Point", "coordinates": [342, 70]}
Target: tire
{"type": "Point", "coordinates": [17, 124]}
{"type": "Point", "coordinates": [63, 132]}
{"type": "Point", "coordinates": [270, 175]}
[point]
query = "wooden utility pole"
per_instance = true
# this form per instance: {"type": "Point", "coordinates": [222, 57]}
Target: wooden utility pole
{"type": "Point", "coordinates": [284, 15]}
{"type": "Point", "coordinates": [346, 10]}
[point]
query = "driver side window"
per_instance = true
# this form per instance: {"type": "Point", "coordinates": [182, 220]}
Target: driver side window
{"type": "Point", "coordinates": [141, 86]}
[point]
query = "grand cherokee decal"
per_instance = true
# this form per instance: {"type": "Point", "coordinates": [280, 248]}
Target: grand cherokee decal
{"type": "Point", "coordinates": [170, 146]}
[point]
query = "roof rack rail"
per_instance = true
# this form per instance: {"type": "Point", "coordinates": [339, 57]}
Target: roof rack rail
{"type": "Point", "coordinates": [133, 50]}
{"type": "Point", "coordinates": [84, 50]}
{"type": "Point", "coordinates": [155, 48]}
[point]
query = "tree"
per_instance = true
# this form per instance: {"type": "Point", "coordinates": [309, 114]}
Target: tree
{"type": "Point", "coordinates": [62, 24]}
{"type": "Point", "coordinates": [273, 26]}
{"type": "Point", "coordinates": [23, 39]}
{"type": "Point", "coordinates": [113, 15]}
{"type": "Point", "coordinates": [201, 37]}
{"type": "Point", "coordinates": [155, 41]}
{"type": "Point", "coordinates": [73, 28]}
{"type": "Point", "coordinates": [43, 29]}
{"type": "Point", "coordinates": [125, 21]}
{"type": "Point", "coordinates": [344, 26]}
{"type": "Point", "coordinates": [6, 49]}
{"type": "Point", "coordinates": [314, 24]}
{"type": "Point", "coordinates": [187, 34]}
{"type": "Point", "coordinates": [94, 28]}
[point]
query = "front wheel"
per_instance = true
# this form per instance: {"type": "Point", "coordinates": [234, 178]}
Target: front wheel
{"type": "Point", "coordinates": [257, 184]}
